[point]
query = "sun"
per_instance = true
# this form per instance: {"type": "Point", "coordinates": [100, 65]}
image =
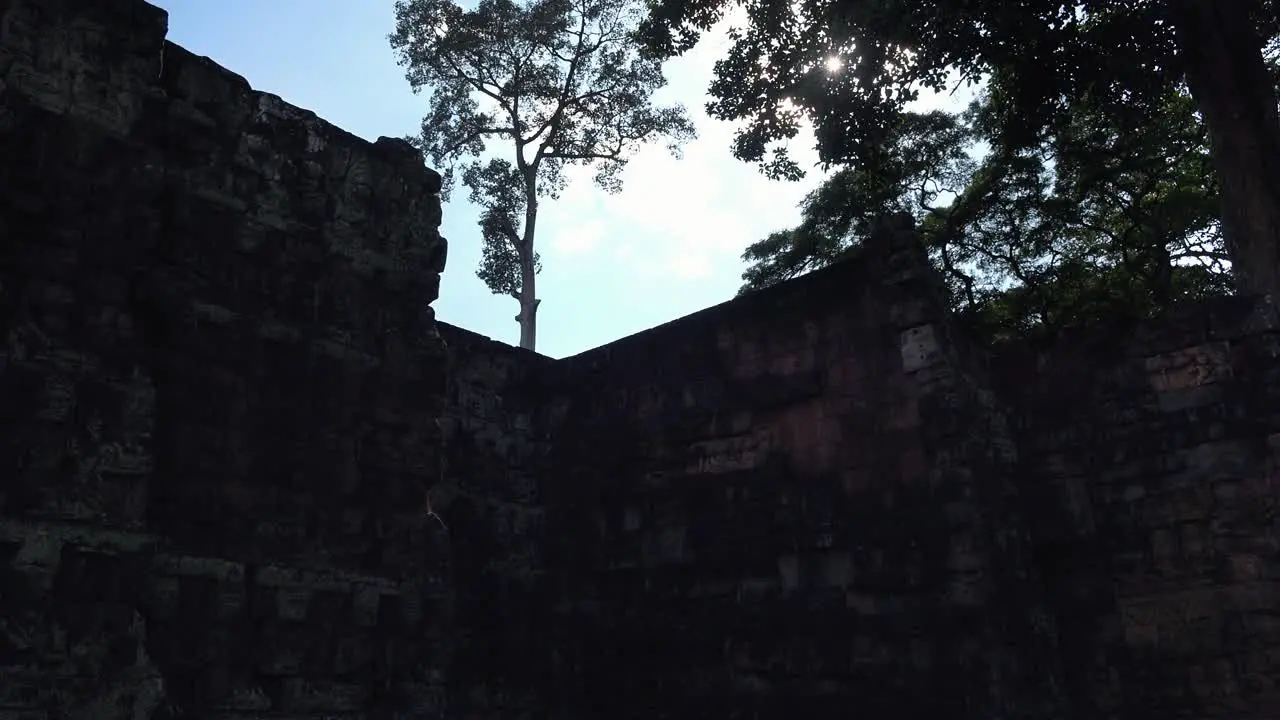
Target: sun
{"type": "Point", "coordinates": [833, 64]}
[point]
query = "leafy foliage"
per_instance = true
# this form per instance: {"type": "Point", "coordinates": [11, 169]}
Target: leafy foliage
{"type": "Point", "coordinates": [560, 82]}
{"type": "Point", "coordinates": [1095, 221]}
{"type": "Point", "coordinates": [497, 187]}
{"type": "Point", "coordinates": [1038, 57]}
{"type": "Point", "coordinates": [852, 67]}
{"type": "Point", "coordinates": [926, 156]}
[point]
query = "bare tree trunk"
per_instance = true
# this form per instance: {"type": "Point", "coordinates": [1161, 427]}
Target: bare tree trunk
{"type": "Point", "coordinates": [528, 317]}
{"type": "Point", "coordinates": [1160, 279]}
{"type": "Point", "coordinates": [1225, 69]}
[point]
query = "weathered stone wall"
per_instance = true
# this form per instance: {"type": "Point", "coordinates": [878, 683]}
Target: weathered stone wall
{"type": "Point", "coordinates": [495, 429]}
{"type": "Point", "coordinates": [223, 404]}
{"type": "Point", "coordinates": [220, 384]}
{"type": "Point", "coordinates": [822, 497]}
{"type": "Point", "coordinates": [799, 504]}
{"type": "Point", "coordinates": [1149, 456]}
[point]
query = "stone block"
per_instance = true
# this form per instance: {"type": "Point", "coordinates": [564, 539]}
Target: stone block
{"type": "Point", "coordinates": [920, 348]}
{"type": "Point", "coordinates": [1191, 367]}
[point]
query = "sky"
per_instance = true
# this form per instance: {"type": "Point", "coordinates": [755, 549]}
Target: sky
{"type": "Point", "coordinates": [668, 245]}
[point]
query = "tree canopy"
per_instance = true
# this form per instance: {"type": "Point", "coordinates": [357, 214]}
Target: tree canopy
{"type": "Point", "coordinates": [1097, 220]}
{"type": "Point", "coordinates": [557, 83]}
{"type": "Point", "coordinates": [852, 66]}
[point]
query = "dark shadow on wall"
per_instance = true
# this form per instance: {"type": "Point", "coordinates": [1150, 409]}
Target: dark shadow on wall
{"type": "Point", "coordinates": [824, 496]}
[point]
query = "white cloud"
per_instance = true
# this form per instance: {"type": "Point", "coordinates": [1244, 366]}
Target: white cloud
{"type": "Point", "coordinates": [580, 239]}
{"type": "Point", "coordinates": [689, 265]}
{"type": "Point", "coordinates": [692, 215]}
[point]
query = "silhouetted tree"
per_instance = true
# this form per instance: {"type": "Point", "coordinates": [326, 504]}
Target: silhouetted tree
{"type": "Point", "coordinates": [852, 65]}
{"type": "Point", "coordinates": [559, 81]}
{"type": "Point", "coordinates": [1096, 221]}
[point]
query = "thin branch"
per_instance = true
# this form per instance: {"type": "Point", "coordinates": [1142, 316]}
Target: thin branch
{"type": "Point", "coordinates": [611, 155]}
{"type": "Point", "coordinates": [477, 84]}
{"type": "Point", "coordinates": [474, 135]}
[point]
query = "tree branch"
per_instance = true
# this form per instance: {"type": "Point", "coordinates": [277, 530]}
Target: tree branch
{"type": "Point", "coordinates": [477, 84]}
{"type": "Point", "coordinates": [611, 155]}
{"type": "Point", "coordinates": [569, 80]}
{"type": "Point", "coordinates": [474, 135]}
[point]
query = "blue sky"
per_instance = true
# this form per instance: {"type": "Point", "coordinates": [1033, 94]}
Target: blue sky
{"type": "Point", "coordinates": [613, 265]}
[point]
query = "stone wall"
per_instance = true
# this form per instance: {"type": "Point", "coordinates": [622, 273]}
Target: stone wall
{"type": "Point", "coordinates": [823, 497]}
{"type": "Point", "coordinates": [497, 413]}
{"type": "Point", "coordinates": [234, 482]}
{"type": "Point", "coordinates": [220, 384]}
{"type": "Point", "coordinates": [1149, 460]}
{"type": "Point", "coordinates": [797, 504]}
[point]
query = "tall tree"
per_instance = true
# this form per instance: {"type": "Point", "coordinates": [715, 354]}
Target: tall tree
{"type": "Point", "coordinates": [1038, 56]}
{"type": "Point", "coordinates": [559, 82]}
{"type": "Point", "coordinates": [1096, 221]}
